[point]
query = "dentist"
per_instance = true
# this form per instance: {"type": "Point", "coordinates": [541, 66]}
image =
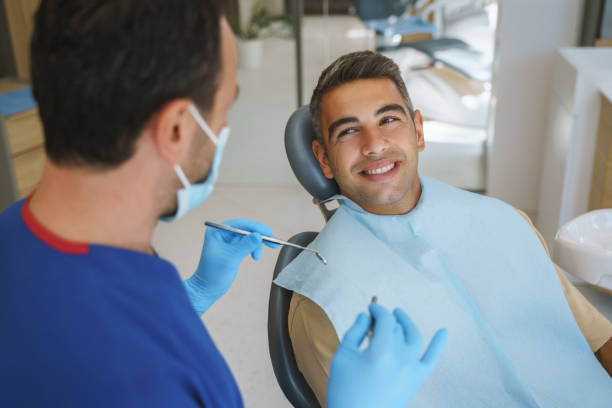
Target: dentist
{"type": "Point", "coordinates": [133, 97]}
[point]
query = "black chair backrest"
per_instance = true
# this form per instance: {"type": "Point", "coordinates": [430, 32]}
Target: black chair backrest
{"type": "Point", "coordinates": [299, 135]}
{"type": "Point", "coordinates": [288, 375]}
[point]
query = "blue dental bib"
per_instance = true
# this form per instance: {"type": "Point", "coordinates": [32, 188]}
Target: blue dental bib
{"type": "Point", "coordinates": [471, 264]}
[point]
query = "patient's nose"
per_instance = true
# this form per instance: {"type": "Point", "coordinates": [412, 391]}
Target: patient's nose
{"type": "Point", "coordinates": [373, 142]}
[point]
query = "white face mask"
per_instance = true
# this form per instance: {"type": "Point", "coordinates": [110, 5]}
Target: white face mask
{"type": "Point", "coordinates": [192, 195]}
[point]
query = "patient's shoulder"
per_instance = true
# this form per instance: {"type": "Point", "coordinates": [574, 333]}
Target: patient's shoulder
{"type": "Point", "coordinates": [314, 342]}
{"type": "Point", "coordinates": [309, 320]}
{"type": "Point", "coordinates": [305, 310]}
{"type": "Point", "coordinates": [537, 232]}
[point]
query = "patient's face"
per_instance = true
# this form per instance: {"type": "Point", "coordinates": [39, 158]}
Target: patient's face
{"type": "Point", "coordinates": [371, 145]}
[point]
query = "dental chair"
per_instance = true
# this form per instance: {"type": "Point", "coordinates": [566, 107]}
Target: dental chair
{"type": "Point", "coordinates": [299, 135]}
{"type": "Point", "coordinates": [389, 20]}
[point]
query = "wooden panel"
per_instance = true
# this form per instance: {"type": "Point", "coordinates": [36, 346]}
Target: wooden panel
{"type": "Point", "coordinates": [25, 131]}
{"type": "Point", "coordinates": [11, 85]}
{"type": "Point", "coordinates": [416, 37]}
{"type": "Point", "coordinates": [28, 170]}
{"type": "Point", "coordinates": [8, 186]}
{"type": "Point", "coordinates": [22, 134]}
{"type": "Point", "coordinates": [603, 42]}
{"type": "Point", "coordinates": [601, 184]}
{"type": "Point", "coordinates": [20, 15]}
{"type": "Point", "coordinates": [606, 201]}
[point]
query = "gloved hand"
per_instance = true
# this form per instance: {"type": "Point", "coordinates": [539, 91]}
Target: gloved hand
{"type": "Point", "coordinates": [389, 371]}
{"type": "Point", "coordinates": [222, 253]}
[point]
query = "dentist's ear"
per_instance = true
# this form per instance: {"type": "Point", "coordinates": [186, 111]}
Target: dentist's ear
{"type": "Point", "coordinates": [418, 125]}
{"type": "Point", "coordinates": [321, 155]}
{"type": "Point", "coordinates": [172, 130]}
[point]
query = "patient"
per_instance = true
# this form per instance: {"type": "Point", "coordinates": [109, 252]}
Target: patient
{"type": "Point", "coordinates": [466, 262]}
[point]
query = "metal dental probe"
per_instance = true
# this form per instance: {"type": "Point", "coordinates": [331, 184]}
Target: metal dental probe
{"type": "Point", "coordinates": [374, 300]}
{"type": "Point", "coordinates": [265, 238]}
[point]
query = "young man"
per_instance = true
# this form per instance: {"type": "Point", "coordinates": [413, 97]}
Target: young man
{"type": "Point", "coordinates": [449, 257]}
{"type": "Point", "coordinates": [134, 97]}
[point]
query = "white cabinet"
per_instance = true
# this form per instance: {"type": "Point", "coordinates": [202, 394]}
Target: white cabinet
{"type": "Point", "coordinates": [575, 102]}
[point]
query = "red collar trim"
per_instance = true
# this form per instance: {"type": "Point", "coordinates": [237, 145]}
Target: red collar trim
{"type": "Point", "coordinates": [49, 238]}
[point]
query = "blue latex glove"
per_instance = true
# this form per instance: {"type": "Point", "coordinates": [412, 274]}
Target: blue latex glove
{"type": "Point", "coordinates": [390, 370]}
{"type": "Point", "coordinates": [222, 253]}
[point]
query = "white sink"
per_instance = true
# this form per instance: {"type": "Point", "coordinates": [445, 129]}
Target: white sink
{"type": "Point", "coordinates": [583, 247]}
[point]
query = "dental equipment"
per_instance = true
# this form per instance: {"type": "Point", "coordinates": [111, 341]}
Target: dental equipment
{"type": "Point", "coordinates": [265, 238]}
{"type": "Point", "coordinates": [374, 300]}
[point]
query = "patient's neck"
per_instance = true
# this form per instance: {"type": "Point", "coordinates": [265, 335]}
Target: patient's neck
{"type": "Point", "coordinates": [402, 206]}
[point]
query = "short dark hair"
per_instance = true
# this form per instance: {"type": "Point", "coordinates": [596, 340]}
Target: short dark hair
{"type": "Point", "coordinates": [351, 67]}
{"type": "Point", "coordinates": [102, 68]}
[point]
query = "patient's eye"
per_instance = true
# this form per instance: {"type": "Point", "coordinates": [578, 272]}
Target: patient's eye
{"type": "Point", "coordinates": [388, 120]}
{"type": "Point", "coordinates": [345, 132]}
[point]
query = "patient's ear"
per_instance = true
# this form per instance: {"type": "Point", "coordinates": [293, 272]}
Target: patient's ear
{"type": "Point", "coordinates": [418, 125]}
{"type": "Point", "coordinates": [321, 155]}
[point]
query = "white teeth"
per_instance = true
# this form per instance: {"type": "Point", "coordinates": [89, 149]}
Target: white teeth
{"type": "Point", "coordinates": [380, 170]}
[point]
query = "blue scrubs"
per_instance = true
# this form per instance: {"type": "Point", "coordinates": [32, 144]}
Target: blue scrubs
{"type": "Point", "coordinates": [96, 326]}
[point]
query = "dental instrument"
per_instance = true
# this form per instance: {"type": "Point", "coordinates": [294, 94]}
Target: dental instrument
{"type": "Point", "coordinates": [265, 238]}
{"type": "Point", "coordinates": [374, 300]}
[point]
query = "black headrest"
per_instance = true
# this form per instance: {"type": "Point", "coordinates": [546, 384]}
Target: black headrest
{"type": "Point", "coordinates": [299, 135]}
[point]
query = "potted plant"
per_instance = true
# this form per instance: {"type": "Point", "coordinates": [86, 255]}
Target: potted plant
{"type": "Point", "coordinates": [260, 25]}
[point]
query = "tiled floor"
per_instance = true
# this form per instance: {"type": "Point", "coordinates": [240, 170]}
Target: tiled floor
{"type": "Point", "coordinates": [238, 322]}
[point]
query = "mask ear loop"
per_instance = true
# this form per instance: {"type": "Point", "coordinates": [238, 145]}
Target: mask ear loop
{"type": "Point", "coordinates": [198, 118]}
{"type": "Point", "coordinates": [181, 176]}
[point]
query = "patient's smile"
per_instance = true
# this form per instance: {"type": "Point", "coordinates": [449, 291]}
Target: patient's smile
{"type": "Point", "coordinates": [381, 170]}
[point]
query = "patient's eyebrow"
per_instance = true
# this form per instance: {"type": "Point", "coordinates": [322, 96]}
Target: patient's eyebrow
{"type": "Point", "coordinates": [391, 107]}
{"type": "Point", "coordinates": [340, 122]}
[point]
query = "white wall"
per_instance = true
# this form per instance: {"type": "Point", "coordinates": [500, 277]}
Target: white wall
{"type": "Point", "coordinates": [528, 34]}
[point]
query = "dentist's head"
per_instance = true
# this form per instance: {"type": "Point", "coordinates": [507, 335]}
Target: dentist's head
{"type": "Point", "coordinates": [136, 93]}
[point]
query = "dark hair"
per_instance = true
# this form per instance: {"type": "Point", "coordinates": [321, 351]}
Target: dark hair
{"type": "Point", "coordinates": [351, 67]}
{"type": "Point", "coordinates": [102, 68]}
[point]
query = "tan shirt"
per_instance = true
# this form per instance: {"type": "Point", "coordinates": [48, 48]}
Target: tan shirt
{"type": "Point", "coordinates": [315, 341]}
